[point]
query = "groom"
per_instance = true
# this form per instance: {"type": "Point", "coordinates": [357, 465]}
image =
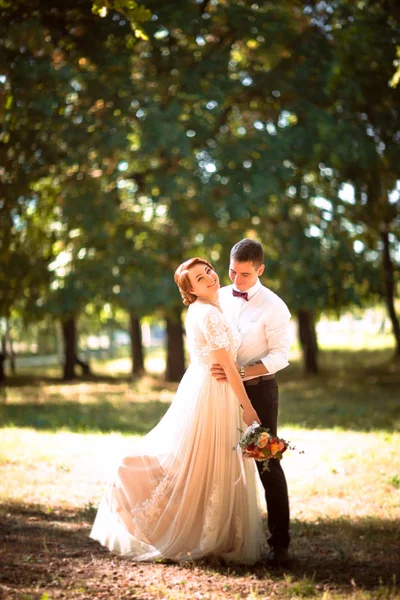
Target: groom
{"type": "Point", "coordinates": [263, 320]}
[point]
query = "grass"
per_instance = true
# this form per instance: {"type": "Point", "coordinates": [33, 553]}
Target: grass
{"type": "Point", "coordinates": [58, 444]}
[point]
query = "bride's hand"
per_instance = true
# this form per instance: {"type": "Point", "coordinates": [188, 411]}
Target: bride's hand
{"type": "Point", "coordinates": [250, 415]}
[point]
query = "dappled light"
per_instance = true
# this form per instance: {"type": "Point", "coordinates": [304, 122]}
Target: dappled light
{"type": "Point", "coordinates": [345, 556]}
{"type": "Point", "coordinates": [136, 135]}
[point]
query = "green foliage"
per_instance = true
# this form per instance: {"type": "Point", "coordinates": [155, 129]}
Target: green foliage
{"type": "Point", "coordinates": [133, 151]}
{"type": "Point", "coordinates": [396, 76]}
{"type": "Point", "coordinates": [395, 481]}
{"type": "Point", "coordinates": [302, 588]}
{"type": "Point", "coordinates": [134, 12]}
{"type": "Point", "coordinates": [64, 136]}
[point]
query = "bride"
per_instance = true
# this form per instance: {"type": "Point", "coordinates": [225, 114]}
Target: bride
{"type": "Point", "coordinates": [181, 494]}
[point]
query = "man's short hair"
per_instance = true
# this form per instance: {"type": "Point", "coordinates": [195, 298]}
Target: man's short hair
{"type": "Point", "coordinates": [248, 251]}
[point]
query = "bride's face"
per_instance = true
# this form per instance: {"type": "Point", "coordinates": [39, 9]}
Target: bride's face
{"type": "Point", "coordinates": [204, 281]}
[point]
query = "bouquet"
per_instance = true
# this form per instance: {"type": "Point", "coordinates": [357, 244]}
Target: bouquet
{"type": "Point", "coordinates": [256, 442]}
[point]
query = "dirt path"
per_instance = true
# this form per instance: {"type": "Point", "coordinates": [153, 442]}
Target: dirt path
{"type": "Point", "coordinates": [48, 555]}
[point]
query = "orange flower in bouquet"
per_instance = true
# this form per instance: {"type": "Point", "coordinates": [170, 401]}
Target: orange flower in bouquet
{"type": "Point", "coordinates": [258, 443]}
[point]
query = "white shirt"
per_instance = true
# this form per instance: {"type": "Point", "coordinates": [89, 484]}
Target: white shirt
{"type": "Point", "coordinates": [263, 321]}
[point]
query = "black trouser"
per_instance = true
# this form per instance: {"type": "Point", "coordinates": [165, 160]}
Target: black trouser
{"type": "Point", "coordinates": [264, 397]}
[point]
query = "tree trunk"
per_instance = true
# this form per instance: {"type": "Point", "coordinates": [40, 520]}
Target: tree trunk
{"type": "Point", "coordinates": [8, 347]}
{"type": "Point", "coordinates": [175, 353]}
{"type": "Point", "coordinates": [389, 288]}
{"type": "Point", "coordinates": [314, 339]}
{"type": "Point", "coordinates": [2, 370]}
{"type": "Point", "coordinates": [70, 355]}
{"type": "Point", "coordinates": [83, 365]}
{"type": "Point", "coordinates": [136, 345]}
{"type": "Point", "coordinates": [3, 389]}
{"type": "Point", "coordinates": [3, 356]}
{"type": "Point", "coordinates": [60, 342]}
{"type": "Point", "coordinates": [69, 336]}
{"type": "Point", "coordinates": [308, 341]}
{"type": "Point", "coordinates": [11, 355]}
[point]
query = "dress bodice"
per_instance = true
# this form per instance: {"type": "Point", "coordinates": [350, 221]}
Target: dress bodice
{"type": "Point", "coordinates": [207, 330]}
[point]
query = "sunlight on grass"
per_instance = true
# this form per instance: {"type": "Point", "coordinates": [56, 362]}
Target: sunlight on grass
{"type": "Point", "coordinates": [343, 473]}
{"type": "Point", "coordinates": [89, 392]}
{"type": "Point", "coordinates": [155, 357]}
{"type": "Point", "coordinates": [357, 341]}
{"type": "Point", "coordinates": [57, 469]}
{"type": "Point", "coordinates": [59, 436]}
{"type": "Point", "coordinates": [154, 363]}
{"type": "Point", "coordinates": [60, 443]}
{"type": "Point", "coordinates": [336, 476]}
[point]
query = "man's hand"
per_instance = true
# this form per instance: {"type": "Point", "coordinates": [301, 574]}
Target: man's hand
{"type": "Point", "coordinates": [218, 372]}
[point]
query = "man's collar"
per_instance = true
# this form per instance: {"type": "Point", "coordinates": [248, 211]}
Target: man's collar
{"type": "Point", "coordinates": [253, 290]}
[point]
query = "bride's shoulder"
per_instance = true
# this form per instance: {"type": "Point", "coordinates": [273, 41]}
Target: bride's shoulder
{"type": "Point", "coordinates": [201, 312]}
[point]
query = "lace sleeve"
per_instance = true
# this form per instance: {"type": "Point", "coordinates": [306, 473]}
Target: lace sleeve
{"type": "Point", "coordinates": [215, 331]}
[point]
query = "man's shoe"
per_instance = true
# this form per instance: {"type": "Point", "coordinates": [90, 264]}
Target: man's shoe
{"type": "Point", "coordinates": [278, 557]}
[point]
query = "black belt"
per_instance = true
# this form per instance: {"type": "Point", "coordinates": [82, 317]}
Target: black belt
{"type": "Point", "coordinates": [257, 380]}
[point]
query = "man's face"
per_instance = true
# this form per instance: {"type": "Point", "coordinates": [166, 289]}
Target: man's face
{"type": "Point", "coordinates": [244, 275]}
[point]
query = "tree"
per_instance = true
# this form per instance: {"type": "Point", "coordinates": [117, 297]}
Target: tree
{"type": "Point", "coordinates": [199, 104]}
{"type": "Point", "coordinates": [361, 139]}
{"type": "Point", "coordinates": [66, 91]}
{"type": "Point", "coordinates": [150, 141]}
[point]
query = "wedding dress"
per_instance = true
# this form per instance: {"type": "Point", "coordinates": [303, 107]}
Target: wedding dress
{"type": "Point", "coordinates": [181, 494]}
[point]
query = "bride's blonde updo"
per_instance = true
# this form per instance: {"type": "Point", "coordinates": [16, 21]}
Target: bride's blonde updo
{"type": "Point", "coordinates": [182, 278]}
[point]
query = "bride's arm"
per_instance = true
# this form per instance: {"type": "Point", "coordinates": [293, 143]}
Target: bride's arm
{"type": "Point", "coordinates": [225, 359]}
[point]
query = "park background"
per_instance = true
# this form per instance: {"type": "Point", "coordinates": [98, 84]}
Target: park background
{"type": "Point", "coordinates": [136, 135]}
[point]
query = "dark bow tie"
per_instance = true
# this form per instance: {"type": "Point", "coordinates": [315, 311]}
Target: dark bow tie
{"type": "Point", "coordinates": [240, 294]}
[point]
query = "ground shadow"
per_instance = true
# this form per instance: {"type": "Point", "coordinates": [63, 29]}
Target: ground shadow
{"type": "Point", "coordinates": [327, 404]}
{"type": "Point", "coordinates": [35, 380]}
{"type": "Point", "coordinates": [339, 554]}
{"type": "Point", "coordinates": [132, 418]}
{"type": "Point", "coordinates": [354, 408]}
{"type": "Point", "coordinates": [50, 549]}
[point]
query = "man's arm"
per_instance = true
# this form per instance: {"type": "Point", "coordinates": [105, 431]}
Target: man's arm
{"type": "Point", "coordinates": [254, 370]}
{"type": "Point", "coordinates": [276, 328]}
